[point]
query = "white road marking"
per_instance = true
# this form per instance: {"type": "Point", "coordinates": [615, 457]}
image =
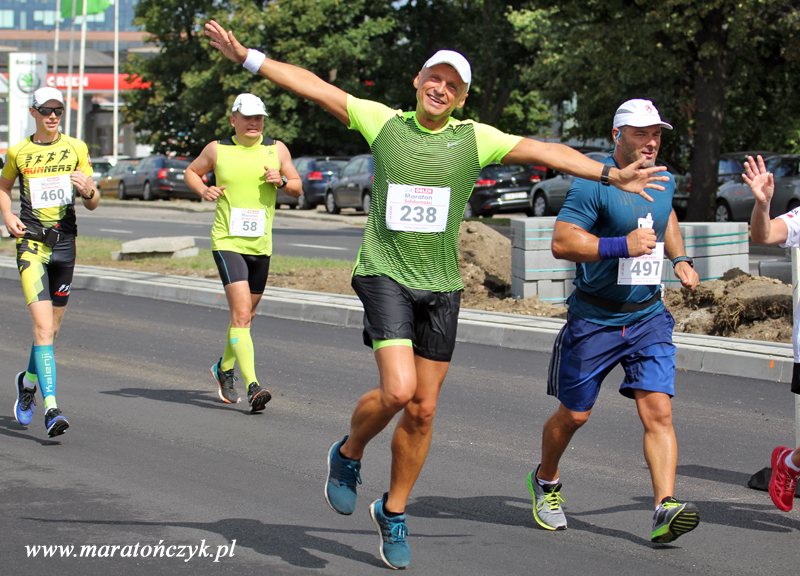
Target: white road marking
{"type": "Point", "coordinates": [115, 231]}
{"type": "Point", "coordinates": [320, 247]}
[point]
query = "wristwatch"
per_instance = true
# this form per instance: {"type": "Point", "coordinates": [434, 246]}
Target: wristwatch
{"type": "Point", "coordinates": [285, 181]}
{"type": "Point", "coordinates": [90, 196]}
{"type": "Point", "coordinates": [687, 259]}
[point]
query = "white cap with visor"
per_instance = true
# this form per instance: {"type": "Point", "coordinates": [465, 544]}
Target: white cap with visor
{"type": "Point", "coordinates": [455, 60]}
{"type": "Point", "coordinates": [249, 105]}
{"type": "Point", "coordinates": [44, 95]}
{"type": "Point", "coordinates": [638, 113]}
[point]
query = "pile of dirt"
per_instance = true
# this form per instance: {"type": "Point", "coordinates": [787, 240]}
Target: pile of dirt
{"type": "Point", "coordinates": [738, 305]}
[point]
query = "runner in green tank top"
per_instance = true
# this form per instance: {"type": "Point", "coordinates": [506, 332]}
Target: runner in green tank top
{"type": "Point", "coordinates": [248, 169]}
{"type": "Point", "coordinates": [426, 165]}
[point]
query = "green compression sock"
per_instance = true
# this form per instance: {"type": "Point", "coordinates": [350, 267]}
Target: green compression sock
{"type": "Point", "coordinates": [242, 345]}
{"type": "Point", "coordinates": [229, 356]}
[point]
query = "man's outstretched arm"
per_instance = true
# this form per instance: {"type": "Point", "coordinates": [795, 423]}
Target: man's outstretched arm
{"type": "Point", "coordinates": [293, 78]}
{"type": "Point", "coordinates": [633, 178]}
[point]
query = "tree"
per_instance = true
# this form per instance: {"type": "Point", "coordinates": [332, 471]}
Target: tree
{"type": "Point", "coordinates": [481, 31]}
{"type": "Point", "coordinates": [193, 86]}
{"type": "Point", "coordinates": [717, 69]}
{"type": "Point", "coordinates": [369, 49]}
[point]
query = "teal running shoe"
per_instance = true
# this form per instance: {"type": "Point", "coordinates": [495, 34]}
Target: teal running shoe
{"type": "Point", "coordinates": [343, 476]}
{"type": "Point", "coordinates": [394, 549]}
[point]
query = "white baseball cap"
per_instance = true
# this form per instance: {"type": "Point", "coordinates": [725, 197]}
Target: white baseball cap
{"type": "Point", "coordinates": [638, 113]}
{"type": "Point", "coordinates": [455, 60]}
{"type": "Point", "coordinates": [42, 95]}
{"type": "Point", "coordinates": [249, 105]}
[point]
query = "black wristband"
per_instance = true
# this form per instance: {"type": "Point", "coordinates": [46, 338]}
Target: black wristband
{"type": "Point", "coordinates": [604, 175]}
{"type": "Point", "coordinates": [680, 259]}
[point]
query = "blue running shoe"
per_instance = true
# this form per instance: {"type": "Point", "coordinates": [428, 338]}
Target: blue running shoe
{"type": "Point", "coordinates": [26, 399]}
{"type": "Point", "coordinates": [55, 422]}
{"type": "Point", "coordinates": [394, 548]}
{"type": "Point", "coordinates": [343, 475]}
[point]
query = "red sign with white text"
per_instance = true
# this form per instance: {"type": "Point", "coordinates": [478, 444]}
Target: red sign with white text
{"type": "Point", "coordinates": [94, 82]}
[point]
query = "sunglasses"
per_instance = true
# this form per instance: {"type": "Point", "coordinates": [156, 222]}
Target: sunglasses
{"type": "Point", "coordinates": [45, 111]}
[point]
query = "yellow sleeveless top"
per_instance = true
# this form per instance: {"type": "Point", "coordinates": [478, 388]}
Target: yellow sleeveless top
{"type": "Point", "coordinates": [241, 170]}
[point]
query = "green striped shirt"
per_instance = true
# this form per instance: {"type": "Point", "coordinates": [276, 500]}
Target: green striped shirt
{"type": "Point", "coordinates": [405, 153]}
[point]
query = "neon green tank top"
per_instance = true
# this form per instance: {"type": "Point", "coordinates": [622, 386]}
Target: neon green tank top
{"type": "Point", "coordinates": [247, 205]}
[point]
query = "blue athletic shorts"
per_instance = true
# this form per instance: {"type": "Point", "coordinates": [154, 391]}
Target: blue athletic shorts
{"type": "Point", "coordinates": [584, 353]}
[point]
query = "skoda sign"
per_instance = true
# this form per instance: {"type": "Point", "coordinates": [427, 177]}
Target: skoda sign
{"type": "Point", "coordinates": [28, 82]}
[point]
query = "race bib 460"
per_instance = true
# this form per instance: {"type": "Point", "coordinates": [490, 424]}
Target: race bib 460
{"type": "Point", "coordinates": [50, 191]}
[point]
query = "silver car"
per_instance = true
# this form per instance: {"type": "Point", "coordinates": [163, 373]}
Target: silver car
{"type": "Point", "coordinates": [735, 199]}
{"type": "Point", "coordinates": [548, 197]}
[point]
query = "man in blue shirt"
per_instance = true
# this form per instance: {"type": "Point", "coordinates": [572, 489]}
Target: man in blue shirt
{"type": "Point", "coordinates": [616, 316]}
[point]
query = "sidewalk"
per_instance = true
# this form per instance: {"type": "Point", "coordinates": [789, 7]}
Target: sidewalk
{"type": "Point", "coordinates": [727, 356]}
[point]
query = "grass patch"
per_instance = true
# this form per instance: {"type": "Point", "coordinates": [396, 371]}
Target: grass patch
{"type": "Point", "coordinates": [97, 252]}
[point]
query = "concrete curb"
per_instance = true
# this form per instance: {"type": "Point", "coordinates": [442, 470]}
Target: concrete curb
{"type": "Point", "coordinates": [726, 356]}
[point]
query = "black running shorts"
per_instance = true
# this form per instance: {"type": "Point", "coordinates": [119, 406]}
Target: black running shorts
{"type": "Point", "coordinates": [235, 267]}
{"type": "Point", "coordinates": [393, 311]}
{"type": "Point", "coordinates": [46, 273]}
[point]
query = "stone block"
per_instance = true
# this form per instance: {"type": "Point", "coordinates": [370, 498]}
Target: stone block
{"type": "Point", "coordinates": [163, 247]}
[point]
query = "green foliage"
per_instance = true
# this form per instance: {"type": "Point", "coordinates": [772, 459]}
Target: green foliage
{"type": "Point", "coordinates": [369, 49]}
{"type": "Point", "coordinates": [719, 70]}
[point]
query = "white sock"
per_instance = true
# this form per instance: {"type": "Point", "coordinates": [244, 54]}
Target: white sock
{"type": "Point", "coordinates": [547, 482]}
{"type": "Point", "coordinates": [27, 383]}
{"type": "Point", "coordinates": [790, 464]}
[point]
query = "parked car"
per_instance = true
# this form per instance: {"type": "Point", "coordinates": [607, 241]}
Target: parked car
{"type": "Point", "coordinates": [108, 185]}
{"type": "Point", "coordinates": [548, 197]}
{"type": "Point", "coordinates": [353, 187]}
{"type": "Point", "coordinates": [734, 198]}
{"type": "Point", "coordinates": [503, 188]}
{"type": "Point", "coordinates": [315, 172]}
{"type": "Point", "coordinates": [100, 168]}
{"type": "Point", "coordinates": [158, 176]}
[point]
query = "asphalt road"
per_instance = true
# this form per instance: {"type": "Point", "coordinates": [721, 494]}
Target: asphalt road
{"type": "Point", "coordinates": [291, 237]}
{"type": "Point", "coordinates": [153, 457]}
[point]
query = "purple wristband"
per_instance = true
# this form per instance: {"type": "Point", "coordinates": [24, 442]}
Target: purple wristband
{"type": "Point", "coordinates": [613, 247]}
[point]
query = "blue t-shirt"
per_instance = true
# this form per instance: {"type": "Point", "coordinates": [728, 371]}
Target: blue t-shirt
{"type": "Point", "coordinates": [607, 212]}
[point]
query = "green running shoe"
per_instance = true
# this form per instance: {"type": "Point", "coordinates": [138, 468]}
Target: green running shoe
{"type": "Point", "coordinates": [547, 501]}
{"type": "Point", "coordinates": [673, 519]}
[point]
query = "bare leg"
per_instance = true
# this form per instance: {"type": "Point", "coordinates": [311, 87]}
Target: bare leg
{"type": "Point", "coordinates": [242, 304]}
{"type": "Point", "coordinates": [557, 433]}
{"type": "Point", "coordinates": [412, 437]}
{"type": "Point", "coordinates": [660, 444]}
{"type": "Point", "coordinates": [46, 321]}
{"type": "Point", "coordinates": [376, 408]}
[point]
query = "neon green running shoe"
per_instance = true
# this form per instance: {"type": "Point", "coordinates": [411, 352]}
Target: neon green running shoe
{"type": "Point", "coordinates": [547, 501]}
{"type": "Point", "coordinates": [673, 519]}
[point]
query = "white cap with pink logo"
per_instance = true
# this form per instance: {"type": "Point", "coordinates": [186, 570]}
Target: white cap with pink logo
{"type": "Point", "coordinates": [638, 113]}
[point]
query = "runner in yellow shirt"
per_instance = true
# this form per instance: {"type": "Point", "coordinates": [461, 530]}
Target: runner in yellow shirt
{"type": "Point", "coordinates": [249, 168]}
{"type": "Point", "coordinates": [53, 169]}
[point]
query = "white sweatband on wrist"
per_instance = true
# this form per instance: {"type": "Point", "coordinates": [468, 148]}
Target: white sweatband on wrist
{"type": "Point", "coordinates": [254, 60]}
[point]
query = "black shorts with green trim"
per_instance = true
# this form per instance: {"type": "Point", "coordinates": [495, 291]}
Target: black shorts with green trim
{"type": "Point", "coordinates": [394, 312]}
{"type": "Point", "coordinates": [46, 273]}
